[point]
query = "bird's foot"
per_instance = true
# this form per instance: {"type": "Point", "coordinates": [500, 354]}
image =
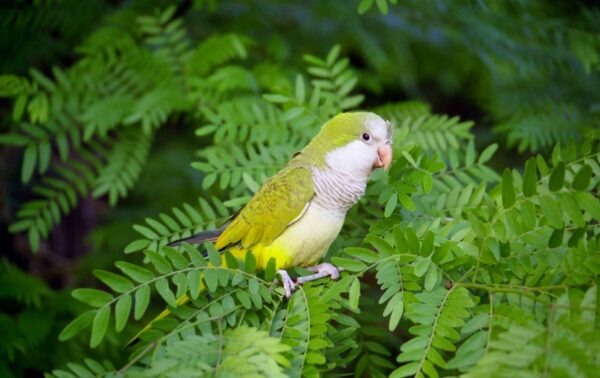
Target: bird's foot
{"type": "Point", "coordinates": [288, 283]}
{"type": "Point", "coordinates": [321, 270]}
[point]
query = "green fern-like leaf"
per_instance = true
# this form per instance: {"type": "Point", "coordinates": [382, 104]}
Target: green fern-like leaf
{"type": "Point", "coordinates": [124, 165]}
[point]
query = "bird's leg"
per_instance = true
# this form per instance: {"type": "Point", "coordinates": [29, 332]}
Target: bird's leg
{"type": "Point", "coordinates": [321, 270]}
{"type": "Point", "coordinates": [288, 283]}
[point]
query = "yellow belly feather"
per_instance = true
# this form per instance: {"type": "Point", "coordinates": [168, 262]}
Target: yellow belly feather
{"type": "Point", "coordinates": [303, 243]}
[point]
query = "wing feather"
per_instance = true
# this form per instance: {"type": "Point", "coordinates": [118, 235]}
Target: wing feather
{"type": "Point", "coordinates": [280, 201]}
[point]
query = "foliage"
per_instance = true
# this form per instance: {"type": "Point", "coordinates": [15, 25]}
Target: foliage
{"type": "Point", "coordinates": [456, 262]}
{"type": "Point", "coordinates": [138, 84]}
{"type": "Point", "coordinates": [32, 315]}
{"type": "Point", "coordinates": [457, 250]}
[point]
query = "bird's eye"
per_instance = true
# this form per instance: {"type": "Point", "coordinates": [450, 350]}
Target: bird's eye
{"type": "Point", "coordinates": [366, 137]}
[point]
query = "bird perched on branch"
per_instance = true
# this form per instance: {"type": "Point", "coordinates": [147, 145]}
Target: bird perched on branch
{"type": "Point", "coordinates": [296, 215]}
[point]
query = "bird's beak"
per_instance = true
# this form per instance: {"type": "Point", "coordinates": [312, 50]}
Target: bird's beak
{"type": "Point", "coordinates": [384, 157]}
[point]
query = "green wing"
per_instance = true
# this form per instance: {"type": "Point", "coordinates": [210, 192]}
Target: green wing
{"type": "Point", "coordinates": [279, 202]}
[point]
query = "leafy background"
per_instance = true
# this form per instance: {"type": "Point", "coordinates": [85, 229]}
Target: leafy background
{"type": "Point", "coordinates": [129, 124]}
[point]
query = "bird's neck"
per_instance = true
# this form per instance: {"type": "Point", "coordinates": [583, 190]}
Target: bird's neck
{"type": "Point", "coordinates": [338, 189]}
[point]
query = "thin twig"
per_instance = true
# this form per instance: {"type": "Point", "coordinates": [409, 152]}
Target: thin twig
{"type": "Point", "coordinates": [138, 357]}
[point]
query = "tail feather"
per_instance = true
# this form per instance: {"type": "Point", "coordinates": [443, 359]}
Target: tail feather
{"type": "Point", "coordinates": [201, 237]}
{"type": "Point", "coordinates": [210, 235]}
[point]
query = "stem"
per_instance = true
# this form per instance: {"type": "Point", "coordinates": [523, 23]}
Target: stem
{"type": "Point", "coordinates": [434, 325]}
{"type": "Point", "coordinates": [220, 349]}
{"type": "Point", "coordinates": [548, 345]}
{"type": "Point", "coordinates": [138, 357]}
{"type": "Point", "coordinates": [308, 330]}
{"type": "Point", "coordinates": [130, 291]}
{"type": "Point", "coordinates": [490, 322]}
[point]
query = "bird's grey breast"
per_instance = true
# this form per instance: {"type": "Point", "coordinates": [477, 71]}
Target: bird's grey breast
{"type": "Point", "coordinates": [337, 190]}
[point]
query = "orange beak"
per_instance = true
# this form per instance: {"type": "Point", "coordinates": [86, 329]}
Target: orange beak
{"type": "Point", "coordinates": [384, 157]}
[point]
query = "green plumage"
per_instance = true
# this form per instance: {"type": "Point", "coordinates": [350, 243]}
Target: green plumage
{"type": "Point", "coordinates": [273, 207]}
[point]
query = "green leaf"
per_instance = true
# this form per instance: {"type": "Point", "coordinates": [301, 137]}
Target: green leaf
{"type": "Point", "coordinates": [470, 351]}
{"type": "Point", "coordinates": [270, 270]}
{"type": "Point", "coordinates": [395, 308]}
{"type": "Point", "coordinates": [162, 287]}
{"type": "Point", "coordinates": [29, 159]}
{"type": "Point", "coordinates": [390, 205]}
{"type": "Point", "coordinates": [427, 245]}
{"type": "Point", "coordinates": [557, 178]}
{"type": "Point", "coordinates": [137, 273]}
{"type": "Point", "coordinates": [13, 139]}
{"type": "Point", "coordinates": [99, 326]}
{"type": "Point", "coordinates": [176, 258]}
{"type": "Point", "coordinates": [250, 262]}
{"type": "Point", "coordinates": [337, 288]}
{"type": "Point", "coordinates": [253, 286]}
{"type": "Point", "coordinates": [194, 283]}
{"type": "Point", "coordinates": [333, 55]}
{"type": "Point", "coordinates": [551, 211]}
{"type": "Point", "coordinates": [42, 79]}
{"type": "Point", "coordinates": [19, 107]}
{"type": "Point", "coordinates": [348, 264]}
{"type": "Point", "coordinates": [382, 5]}
{"type": "Point", "coordinates": [487, 153]}
{"type": "Point", "coordinates": [381, 245]}
{"type": "Point", "coordinates": [406, 202]}
{"type": "Point", "coordinates": [581, 181]}
{"type": "Point", "coordinates": [569, 205]}
{"type": "Point", "coordinates": [431, 278]}
{"type": "Point", "coordinates": [211, 279]}
{"type": "Point", "coordinates": [364, 6]}
{"type": "Point", "coordinates": [142, 298]}
{"type": "Point", "coordinates": [213, 255]}
{"type": "Point", "coordinates": [93, 297]}
{"type": "Point", "coordinates": [421, 266]}
{"type": "Point", "coordinates": [470, 154]}
{"type": "Point", "coordinates": [137, 245]}
{"type": "Point", "coordinates": [556, 238]}
{"type": "Point", "coordinates": [276, 98]}
{"type": "Point", "coordinates": [530, 178]}
{"type": "Point", "coordinates": [114, 281]}
{"type": "Point", "coordinates": [77, 325]}
{"type": "Point", "coordinates": [589, 204]}
{"type": "Point", "coordinates": [250, 183]}
{"type": "Point", "coordinates": [122, 310]}
{"type": "Point", "coordinates": [508, 189]}
{"type": "Point", "coordinates": [244, 299]}
{"type": "Point", "coordinates": [363, 254]}
{"type": "Point", "coordinates": [230, 260]}
{"type": "Point", "coordinates": [300, 93]}
{"type": "Point", "coordinates": [406, 370]}
{"type": "Point", "coordinates": [354, 294]}
{"type": "Point", "coordinates": [145, 232]}
{"type": "Point", "coordinates": [34, 239]}
{"type": "Point", "coordinates": [160, 263]}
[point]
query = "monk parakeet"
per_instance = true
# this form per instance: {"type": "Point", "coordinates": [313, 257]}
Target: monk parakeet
{"type": "Point", "coordinates": [296, 215]}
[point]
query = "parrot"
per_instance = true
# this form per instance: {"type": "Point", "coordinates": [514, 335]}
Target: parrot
{"type": "Point", "coordinates": [298, 213]}
{"type": "Point", "coordinates": [295, 216]}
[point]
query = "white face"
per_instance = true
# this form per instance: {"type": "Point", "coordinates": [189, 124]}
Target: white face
{"type": "Point", "coordinates": [361, 156]}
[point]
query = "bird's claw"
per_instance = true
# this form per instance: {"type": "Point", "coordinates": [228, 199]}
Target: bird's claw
{"type": "Point", "coordinates": [288, 283]}
{"type": "Point", "coordinates": [321, 270]}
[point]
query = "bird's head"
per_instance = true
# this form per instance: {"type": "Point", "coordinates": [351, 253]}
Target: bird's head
{"type": "Point", "coordinates": [357, 142]}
